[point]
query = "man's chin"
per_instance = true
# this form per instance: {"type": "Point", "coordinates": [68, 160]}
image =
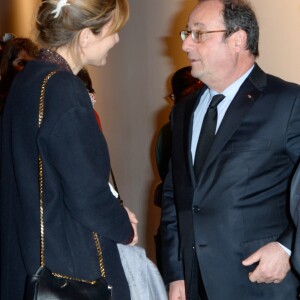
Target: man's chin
{"type": "Point", "coordinates": [195, 72]}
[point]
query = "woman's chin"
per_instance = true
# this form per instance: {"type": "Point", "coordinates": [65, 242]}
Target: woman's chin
{"type": "Point", "coordinates": [102, 62]}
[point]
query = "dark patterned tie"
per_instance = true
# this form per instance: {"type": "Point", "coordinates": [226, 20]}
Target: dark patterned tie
{"type": "Point", "coordinates": [207, 133]}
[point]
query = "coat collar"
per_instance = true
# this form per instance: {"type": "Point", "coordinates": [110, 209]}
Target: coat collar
{"type": "Point", "coordinates": [54, 58]}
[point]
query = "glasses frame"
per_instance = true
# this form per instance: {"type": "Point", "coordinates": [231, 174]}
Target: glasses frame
{"type": "Point", "coordinates": [184, 34]}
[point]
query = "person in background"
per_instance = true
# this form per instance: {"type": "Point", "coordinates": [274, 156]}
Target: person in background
{"type": "Point", "coordinates": [226, 229]}
{"type": "Point", "coordinates": [76, 194]}
{"type": "Point", "coordinates": [6, 37]}
{"type": "Point", "coordinates": [17, 52]}
{"type": "Point", "coordinates": [84, 75]}
{"type": "Point", "coordinates": [182, 84]}
{"type": "Point", "coordinates": [295, 213]}
{"type": "Point", "coordinates": [2, 45]}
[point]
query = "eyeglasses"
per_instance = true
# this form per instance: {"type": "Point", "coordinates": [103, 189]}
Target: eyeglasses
{"type": "Point", "coordinates": [197, 35]}
{"type": "Point", "coordinates": [172, 97]}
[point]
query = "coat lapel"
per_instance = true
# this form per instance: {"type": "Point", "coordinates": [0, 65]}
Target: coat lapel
{"type": "Point", "coordinates": [239, 107]}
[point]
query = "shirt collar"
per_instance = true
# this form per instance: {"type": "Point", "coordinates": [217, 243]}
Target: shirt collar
{"type": "Point", "coordinates": [231, 91]}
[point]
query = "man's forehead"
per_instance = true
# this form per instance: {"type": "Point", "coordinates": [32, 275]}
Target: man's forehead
{"type": "Point", "coordinates": [201, 18]}
{"type": "Point", "coordinates": [196, 24]}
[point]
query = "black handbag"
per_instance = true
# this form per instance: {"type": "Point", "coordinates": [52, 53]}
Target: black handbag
{"type": "Point", "coordinates": [46, 285]}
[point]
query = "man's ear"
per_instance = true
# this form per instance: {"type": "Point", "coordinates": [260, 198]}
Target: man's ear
{"type": "Point", "coordinates": [239, 40]}
{"type": "Point", "coordinates": [84, 37]}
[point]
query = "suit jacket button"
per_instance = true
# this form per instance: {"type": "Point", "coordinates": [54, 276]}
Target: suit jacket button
{"type": "Point", "coordinates": [196, 208]}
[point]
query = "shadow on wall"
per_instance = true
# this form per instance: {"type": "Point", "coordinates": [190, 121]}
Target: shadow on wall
{"type": "Point", "coordinates": [171, 48]}
{"type": "Point", "coordinates": [172, 44]}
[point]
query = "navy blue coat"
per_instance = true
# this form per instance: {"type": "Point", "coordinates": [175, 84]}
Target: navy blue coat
{"type": "Point", "coordinates": [77, 198]}
{"type": "Point", "coordinates": [240, 201]}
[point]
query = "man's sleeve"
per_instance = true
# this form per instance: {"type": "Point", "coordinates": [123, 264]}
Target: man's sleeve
{"type": "Point", "coordinates": [171, 264]}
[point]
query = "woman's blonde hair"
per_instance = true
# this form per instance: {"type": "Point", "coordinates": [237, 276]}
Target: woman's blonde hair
{"type": "Point", "coordinates": [54, 32]}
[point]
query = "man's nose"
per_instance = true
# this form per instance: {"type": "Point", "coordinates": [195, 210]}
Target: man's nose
{"type": "Point", "coordinates": [187, 44]}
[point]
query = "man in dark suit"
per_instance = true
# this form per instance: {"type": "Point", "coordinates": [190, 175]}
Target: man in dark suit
{"type": "Point", "coordinates": [226, 229]}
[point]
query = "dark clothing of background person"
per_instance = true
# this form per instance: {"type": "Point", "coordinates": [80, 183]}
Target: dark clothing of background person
{"type": "Point", "coordinates": [183, 84]}
{"type": "Point", "coordinates": [162, 155]}
{"type": "Point", "coordinates": [295, 213]}
{"type": "Point", "coordinates": [77, 197]}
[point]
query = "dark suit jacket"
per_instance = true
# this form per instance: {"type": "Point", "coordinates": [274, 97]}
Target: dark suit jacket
{"type": "Point", "coordinates": [240, 201]}
{"type": "Point", "coordinates": [77, 198]}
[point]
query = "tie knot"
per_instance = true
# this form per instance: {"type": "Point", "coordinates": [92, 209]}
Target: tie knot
{"type": "Point", "coordinates": [216, 99]}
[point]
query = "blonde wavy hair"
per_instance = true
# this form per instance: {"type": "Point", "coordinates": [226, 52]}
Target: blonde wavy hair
{"type": "Point", "coordinates": [77, 15]}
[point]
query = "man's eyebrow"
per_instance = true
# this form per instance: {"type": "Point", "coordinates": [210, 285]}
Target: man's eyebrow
{"type": "Point", "coordinates": [196, 24]}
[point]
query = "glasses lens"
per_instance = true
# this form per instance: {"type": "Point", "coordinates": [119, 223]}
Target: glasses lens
{"type": "Point", "coordinates": [196, 36]}
{"type": "Point", "coordinates": [183, 35]}
{"type": "Point", "coordinates": [172, 96]}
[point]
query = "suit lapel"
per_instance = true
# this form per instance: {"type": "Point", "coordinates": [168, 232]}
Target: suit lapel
{"type": "Point", "coordinates": [238, 109]}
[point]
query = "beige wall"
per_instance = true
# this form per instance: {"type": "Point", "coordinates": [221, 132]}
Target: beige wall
{"type": "Point", "coordinates": [131, 88]}
{"type": "Point", "coordinates": [17, 16]}
{"type": "Point", "coordinates": [280, 37]}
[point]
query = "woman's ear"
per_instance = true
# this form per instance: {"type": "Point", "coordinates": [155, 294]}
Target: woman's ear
{"type": "Point", "coordinates": [84, 37]}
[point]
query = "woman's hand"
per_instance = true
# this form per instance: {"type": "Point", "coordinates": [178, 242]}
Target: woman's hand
{"type": "Point", "coordinates": [134, 221]}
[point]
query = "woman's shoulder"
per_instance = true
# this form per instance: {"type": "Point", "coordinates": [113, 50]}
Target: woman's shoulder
{"type": "Point", "coordinates": [40, 69]}
{"type": "Point", "coordinates": [64, 91]}
{"type": "Point", "coordinates": [60, 81]}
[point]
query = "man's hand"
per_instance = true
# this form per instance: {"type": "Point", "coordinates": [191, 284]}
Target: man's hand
{"type": "Point", "coordinates": [274, 264]}
{"type": "Point", "coordinates": [134, 221]}
{"type": "Point", "coordinates": [177, 290]}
